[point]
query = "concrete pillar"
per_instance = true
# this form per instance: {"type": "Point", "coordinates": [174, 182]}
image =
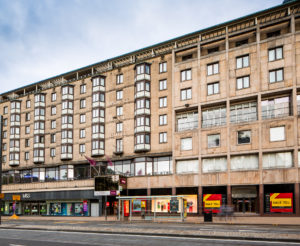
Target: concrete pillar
{"type": "Point", "coordinates": [297, 199]}
{"type": "Point", "coordinates": [229, 197]}
{"type": "Point", "coordinates": [173, 191]}
{"type": "Point", "coordinates": [148, 191]}
{"type": "Point", "coordinates": [200, 203]}
{"type": "Point", "coordinates": [261, 199]}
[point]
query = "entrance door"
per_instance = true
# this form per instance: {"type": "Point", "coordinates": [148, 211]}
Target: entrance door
{"type": "Point", "coordinates": [94, 209]}
{"type": "Point", "coordinates": [245, 205]}
{"type": "Point", "coordinates": [35, 209]}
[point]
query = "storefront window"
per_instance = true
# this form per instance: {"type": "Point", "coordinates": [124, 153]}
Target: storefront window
{"type": "Point", "coordinates": [81, 171]}
{"type": "Point", "coordinates": [63, 172]}
{"type": "Point", "coordinates": [162, 165]}
{"type": "Point", "coordinates": [51, 174]}
{"type": "Point", "coordinates": [35, 175]}
{"type": "Point", "coordinates": [126, 168]}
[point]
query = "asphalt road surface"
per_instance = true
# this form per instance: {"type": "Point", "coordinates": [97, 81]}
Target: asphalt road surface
{"type": "Point", "coordinates": [11, 237]}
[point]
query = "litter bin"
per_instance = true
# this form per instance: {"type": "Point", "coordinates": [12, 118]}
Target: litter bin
{"type": "Point", "coordinates": [208, 216]}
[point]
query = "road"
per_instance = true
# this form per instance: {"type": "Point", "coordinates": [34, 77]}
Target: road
{"type": "Point", "coordinates": [11, 237]}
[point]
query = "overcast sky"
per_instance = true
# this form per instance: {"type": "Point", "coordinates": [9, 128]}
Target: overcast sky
{"type": "Point", "coordinates": [43, 38]}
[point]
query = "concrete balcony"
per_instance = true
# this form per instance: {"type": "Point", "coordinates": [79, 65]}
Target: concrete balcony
{"type": "Point", "coordinates": [14, 149]}
{"type": "Point", "coordinates": [15, 123]}
{"type": "Point", "coordinates": [15, 111]}
{"type": "Point", "coordinates": [142, 94]}
{"type": "Point", "coordinates": [67, 141]}
{"type": "Point", "coordinates": [39, 145]}
{"type": "Point", "coordinates": [142, 147]}
{"type": "Point", "coordinates": [39, 118]}
{"type": "Point", "coordinates": [98, 120]}
{"type": "Point", "coordinates": [142, 77]}
{"type": "Point", "coordinates": [98, 104]}
{"type": "Point", "coordinates": [14, 136]}
{"type": "Point", "coordinates": [39, 159]}
{"type": "Point", "coordinates": [142, 111]}
{"type": "Point", "coordinates": [67, 111]}
{"type": "Point", "coordinates": [66, 126]}
{"type": "Point", "coordinates": [67, 97]}
{"type": "Point", "coordinates": [39, 104]}
{"type": "Point", "coordinates": [39, 131]}
{"type": "Point", "coordinates": [142, 129]}
{"type": "Point", "coordinates": [66, 156]}
{"type": "Point", "coordinates": [98, 136]}
{"type": "Point", "coordinates": [98, 88]}
{"type": "Point", "coordinates": [97, 152]}
{"type": "Point", "coordinates": [14, 163]}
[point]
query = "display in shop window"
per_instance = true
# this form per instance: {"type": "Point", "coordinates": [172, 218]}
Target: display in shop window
{"type": "Point", "coordinates": [281, 202]}
{"type": "Point", "coordinates": [212, 203]}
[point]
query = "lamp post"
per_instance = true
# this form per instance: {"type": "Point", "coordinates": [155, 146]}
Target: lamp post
{"type": "Point", "coordinates": [1, 132]}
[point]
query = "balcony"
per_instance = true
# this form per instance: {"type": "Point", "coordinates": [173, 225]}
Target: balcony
{"type": "Point", "coordinates": [142, 76]}
{"type": "Point", "coordinates": [14, 149]}
{"type": "Point", "coordinates": [39, 146]}
{"type": "Point", "coordinates": [98, 88]}
{"type": "Point", "coordinates": [39, 131]}
{"type": "Point", "coordinates": [142, 94]}
{"type": "Point", "coordinates": [67, 97]}
{"type": "Point", "coordinates": [98, 120]}
{"type": "Point", "coordinates": [98, 136]}
{"type": "Point", "coordinates": [39, 118]}
{"type": "Point", "coordinates": [142, 129]}
{"type": "Point", "coordinates": [15, 111]}
{"type": "Point", "coordinates": [97, 152]}
{"type": "Point", "coordinates": [142, 147]}
{"type": "Point", "coordinates": [39, 159]}
{"type": "Point", "coordinates": [14, 163]}
{"type": "Point", "coordinates": [14, 136]}
{"type": "Point", "coordinates": [276, 112]}
{"type": "Point", "coordinates": [15, 123]}
{"type": "Point", "coordinates": [67, 111]}
{"type": "Point", "coordinates": [66, 156]}
{"type": "Point", "coordinates": [39, 104]}
{"type": "Point", "coordinates": [98, 104]}
{"type": "Point", "coordinates": [142, 111]}
{"type": "Point", "coordinates": [67, 141]}
{"type": "Point", "coordinates": [66, 126]}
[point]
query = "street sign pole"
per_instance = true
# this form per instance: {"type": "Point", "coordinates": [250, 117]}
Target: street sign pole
{"type": "Point", "coordinates": [1, 132]}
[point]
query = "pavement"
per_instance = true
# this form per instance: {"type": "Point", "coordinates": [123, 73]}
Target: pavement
{"type": "Point", "coordinates": [237, 227]}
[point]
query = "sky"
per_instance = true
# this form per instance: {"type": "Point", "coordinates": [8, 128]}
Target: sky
{"type": "Point", "coordinates": [40, 39]}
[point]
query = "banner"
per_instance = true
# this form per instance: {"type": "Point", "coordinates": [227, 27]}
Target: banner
{"type": "Point", "coordinates": [281, 202]}
{"type": "Point", "coordinates": [212, 202]}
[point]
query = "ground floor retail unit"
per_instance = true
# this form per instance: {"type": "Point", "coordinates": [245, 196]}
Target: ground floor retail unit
{"type": "Point", "coordinates": [256, 199]}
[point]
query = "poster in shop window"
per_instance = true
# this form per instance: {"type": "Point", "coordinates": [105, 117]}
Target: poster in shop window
{"type": "Point", "coordinates": [281, 202]}
{"type": "Point", "coordinates": [212, 202]}
{"type": "Point", "coordinates": [136, 206]}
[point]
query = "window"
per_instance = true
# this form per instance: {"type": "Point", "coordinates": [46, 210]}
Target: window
{"type": "Point", "coordinates": [241, 42]}
{"type": "Point", "coordinates": [4, 159]}
{"type": "Point", "coordinates": [26, 156]}
{"type": "Point", "coordinates": [82, 118]}
{"type": "Point", "coordinates": [98, 81]}
{"type": "Point", "coordinates": [97, 128]}
{"type": "Point", "coordinates": [53, 124]}
{"type": "Point", "coordinates": [67, 119]}
{"type": "Point", "coordinates": [97, 144]}
{"type": "Point", "coordinates": [273, 34]}
{"type": "Point", "coordinates": [52, 138]}
{"type": "Point", "coordinates": [119, 79]}
{"type": "Point", "coordinates": [243, 112]}
{"type": "Point", "coordinates": [243, 82]}
{"type": "Point", "coordinates": [141, 86]}
{"type": "Point", "coordinates": [162, 137]}
{"type": "Point", "coordinates": [187, 166]}
{"type": "Point", "coordinates": [26, 142]}
{"type": "Point", "coordinates": [119, 145]}
{"type": "Point", "coordinates": [244, 137]}
{"type": "Point", "coordinates": [119, 111]}
{"type": "Point", "coordinates": [142, 68]}
{"type": "Point", "coordinates": [28, 104]}
{"type": "Point", "coordinates": [16, 117]}
{"type": "Point", "coordinates": [142, 121]}
{"type": "Point", "coordinates": [277, 133]}
{"type": "Point", "coordinates": [53, 97]}
{"type": "Point", "coordinates": [275, 54]}
{"type": "Point", "coordinates": [81, 148]}
{"type": "Point", "coordinates": [244, 162]}
{"type": "Point", "coordinates": [4, 146]}
{"type": "Point", "coordinates": [242, 61]}
{"type": "Point", "coordinates": [53, 110]}
{"type": "Point", "coordinates": [5, 122]}
{"type": "Point", "coordinates": [98, 97]}
{"type": "Point", "coordinates": [67, 90]}
{"type": "Point", "coordinates": [277, 160]}
{"type": "Point", "coordinates": [162, 120]}
{"type": "Point", "coordinates": [213, 88]}
{"type": "Point", "coordinates": [39, 98]}
{"type": "Point", "coordinates": [185, 94]}
{"type": "Point", "coordinates": [187, 121]}
{"type": "Point", "coordinates": [14, 130]}
{"type": "Point", "coordinates": [39, 125]}
{"type": "Point", "coordinates": [5, 110]}
{"type": "Point", "coordinates": [213, 140]}
{"type": "Point", "coordinates": [163, 67]}
{"type": "Point", "coordinates": [162, 84]}
{"type": "Point", "coordinates": [186, 144]}
{"type": "Point", "coordinates": [214, 117]}
{"type": "Point", "coordinates": [276, 75]}
{"type": "Point", "coordinates": [66, 149]}
{"type": "Point", "coordinates": [186, 75]}
{"type": "Point", "coordinates": [66, 134]}
{"type": "Point", "coordinates": [119, 95]}
{"type": "Point", "coordinates": [67, 104]}
{"type": "Point", "coordinates": [82, 103]}
{"type": "Point", "coordinates": [142, 139]}
{"type": "Point", "coordinates": [276, 107]}
{"type": "Point", "coordinates": [212, 50]}
{"type": "Point", "coordinates": [27, 116]}
{"type": "Point", "coordinates": [98, 112]}
{"type": "Point", "coordinates": [119, 127]}
{"type": "Point", "coordinates": [27, 129]}
{"type": "Point", "coordinates": [142, 103]}
{"type": "Point", "coordinates": [4, 134]}
{"type": "Point", "coordinates": [213, 68]}
{"type": "Point", "coordinates": [82, 133]}
{"type": "Point", "coordinates": [52, 152]}
{"type": "Point", "coordinates": [82, 89]}
{"type": "Point", "coordinates": [218, 164]}
{"type": "Point", "coordinates": [163, 102]}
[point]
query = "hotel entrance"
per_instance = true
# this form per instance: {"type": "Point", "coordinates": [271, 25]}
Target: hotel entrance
{"type": "Point", "coordinates": [244, 199]}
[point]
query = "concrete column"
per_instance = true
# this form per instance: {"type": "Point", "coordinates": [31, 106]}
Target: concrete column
{"type": "Point", "coordinates": [173, 191]}
{"type": "Point", "coordinates": [200, 195]}
{"type": "Point", "coordinates": [229, 196]}
{"type": "Point", "coordinates": [148, 191]}
{"type": "Point", "coordinates": [297, 199]}
{"type": "Point", "coordinates": [261, 199]}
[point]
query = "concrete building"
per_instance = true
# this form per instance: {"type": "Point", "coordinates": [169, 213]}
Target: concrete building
{"type": "Point", "coordinates": [214, 112]}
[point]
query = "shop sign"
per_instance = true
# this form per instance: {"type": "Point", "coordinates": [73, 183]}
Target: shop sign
{"type": "Point", "coordinates": [26, 195]}
{"type": "Point", "coordinates": [281, 202]}
{"type": "Point", "coordinates": [174, 205]}
{"type": "Point", "coordinates": [1, 195]}
{"type": "Point", "coordinates": [212, 202]}
{"type": "Point", "coordinates": [16, 197]}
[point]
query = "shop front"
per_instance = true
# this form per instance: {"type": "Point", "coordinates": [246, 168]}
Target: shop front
{"type": "Point", "coordinates": [244, 199]}
{"type": "Point", "coordinates": [214, 198]}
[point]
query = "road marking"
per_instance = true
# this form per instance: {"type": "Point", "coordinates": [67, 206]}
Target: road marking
{"type": "Point", "coordinates": [16, 245]}
{"type": "Point", "coordinates": [68, 222]}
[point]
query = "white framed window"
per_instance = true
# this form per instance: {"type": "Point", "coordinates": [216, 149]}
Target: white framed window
{"type": "Point", "coordinates": [277, 160]}
{"type": "Point", "coordinates": [68, 90]}
{"type": "Point", "coordinates": [119, 79]}
{"type": "Point", "coordinates": [213, 140]}
{"type": "Point", "coordinates": [243, 82]}
{"type": "Point", "coordinates": [82, 118]}
{"type": "Point", "coordinates": [5, 134]}
{"type": "Point", "coordinates": [242, 61]}
{"type": "Point", "coordinates": [213, 68]}
{"type": "Point", "coordinates": [163, 137]}
{"type": "Point", "coordinates": [119, 110]}
{"type": "Point", "coordinates": [277, 133]}
{"type": "Point", "coordinates": [187, 166]}
{"type": "Point", "coordinates": [276, 75]}
{"type": "Point", "coordinates": [82, 103]}
{"type": "Point", "coordinates": [275, 53]}
{"type": "Point", "coordinates": [5, 122]}
{"type": "Point", "coordinates": [83, 89]}
{"type": "Point", "coordinates": [82, 133]}
{"type": "Point", "coordinates": [53, 124]}
{"type": "Point", "coordinates": [81, 148]}
{"type": "Point", "coordinates": [244, 137]}
{"type": "Point", "coordinates": [53, 97]}
{"type": "Point", "coordinates": [98, 81]}
{"type": "Point", "coordinates": [53, 138]}
{"type": "Point", "coordinates": [213, 88]}
{"type": "Point", "coordinates": [119, 127]}
{"type": "Point", "coordinates": [142, 121]}
{"type": "Point", "coordinates": [186, 94]}
{"type": "Point", "coordinates": [28, 102]}
{"type": "Point", "coordinates": [163, 67]}
{"type": "Point", "coordinates": [53, 110]}
{"type": "Point", "coordinates": [119, 145]}
{"type": "Point", "coordinates": [52, 152]}
{"type": "Point", "coordinates": [162, 84]}
{"type": "Point", "coordinates": [163, 102]}
{"type": "Point", "coordinates": [5, 110]}
{"type": "Point", "coordinates": [186, 144]}
{"type": "Point", "coordinates": [163, 120]}
{"type": "Point", "coordinates": [27, 116]}
{"type": "Point", "coordinates": [26, 156]}
{"type": "Point", "coordinates": [186, 75]}
{"type": "Point", "coordinates": [120, 95]}
{"type": "Point", "coordinates": [27, 129]}
{"type": "Point", "coordinates": [218, 164]}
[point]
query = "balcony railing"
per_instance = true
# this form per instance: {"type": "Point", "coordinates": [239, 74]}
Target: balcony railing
{"type": "Point", "coordinates": [186, 126]}
{"type": "Point", "coordinates": [220, 121]}
{"type": "Point", "coordinates": [236, 117]}
{"type": "Point", "coordinates": [277, 112]}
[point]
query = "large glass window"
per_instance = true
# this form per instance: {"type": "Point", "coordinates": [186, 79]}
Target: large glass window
{"type": "Point", "coordinates": [218, 164]}
{"type": "Point", "coordinates": [278, 160]}
{"type": "Point", "coordinates": [276, 107]}
{"type": "Point", "coordinates": [214, 117]}
{"type": "Point", "coordinates": [162, 165]}
{"type": "Point", "coordinates": [81, 171]}
{"type": "Point", "coordinates": [244, 162]}
{"type": "Point", "coordinates": [51, 174]}
{"type": "Point", "coordinates": [187, 121]}
{"type": "Point", "coordinates": [243, 112]}
{"type": "Point", "coordinates": [187, 166]}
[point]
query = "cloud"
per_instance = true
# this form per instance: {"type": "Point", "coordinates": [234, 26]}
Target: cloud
{"type": "Point", "coordinates": [41, 39]}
